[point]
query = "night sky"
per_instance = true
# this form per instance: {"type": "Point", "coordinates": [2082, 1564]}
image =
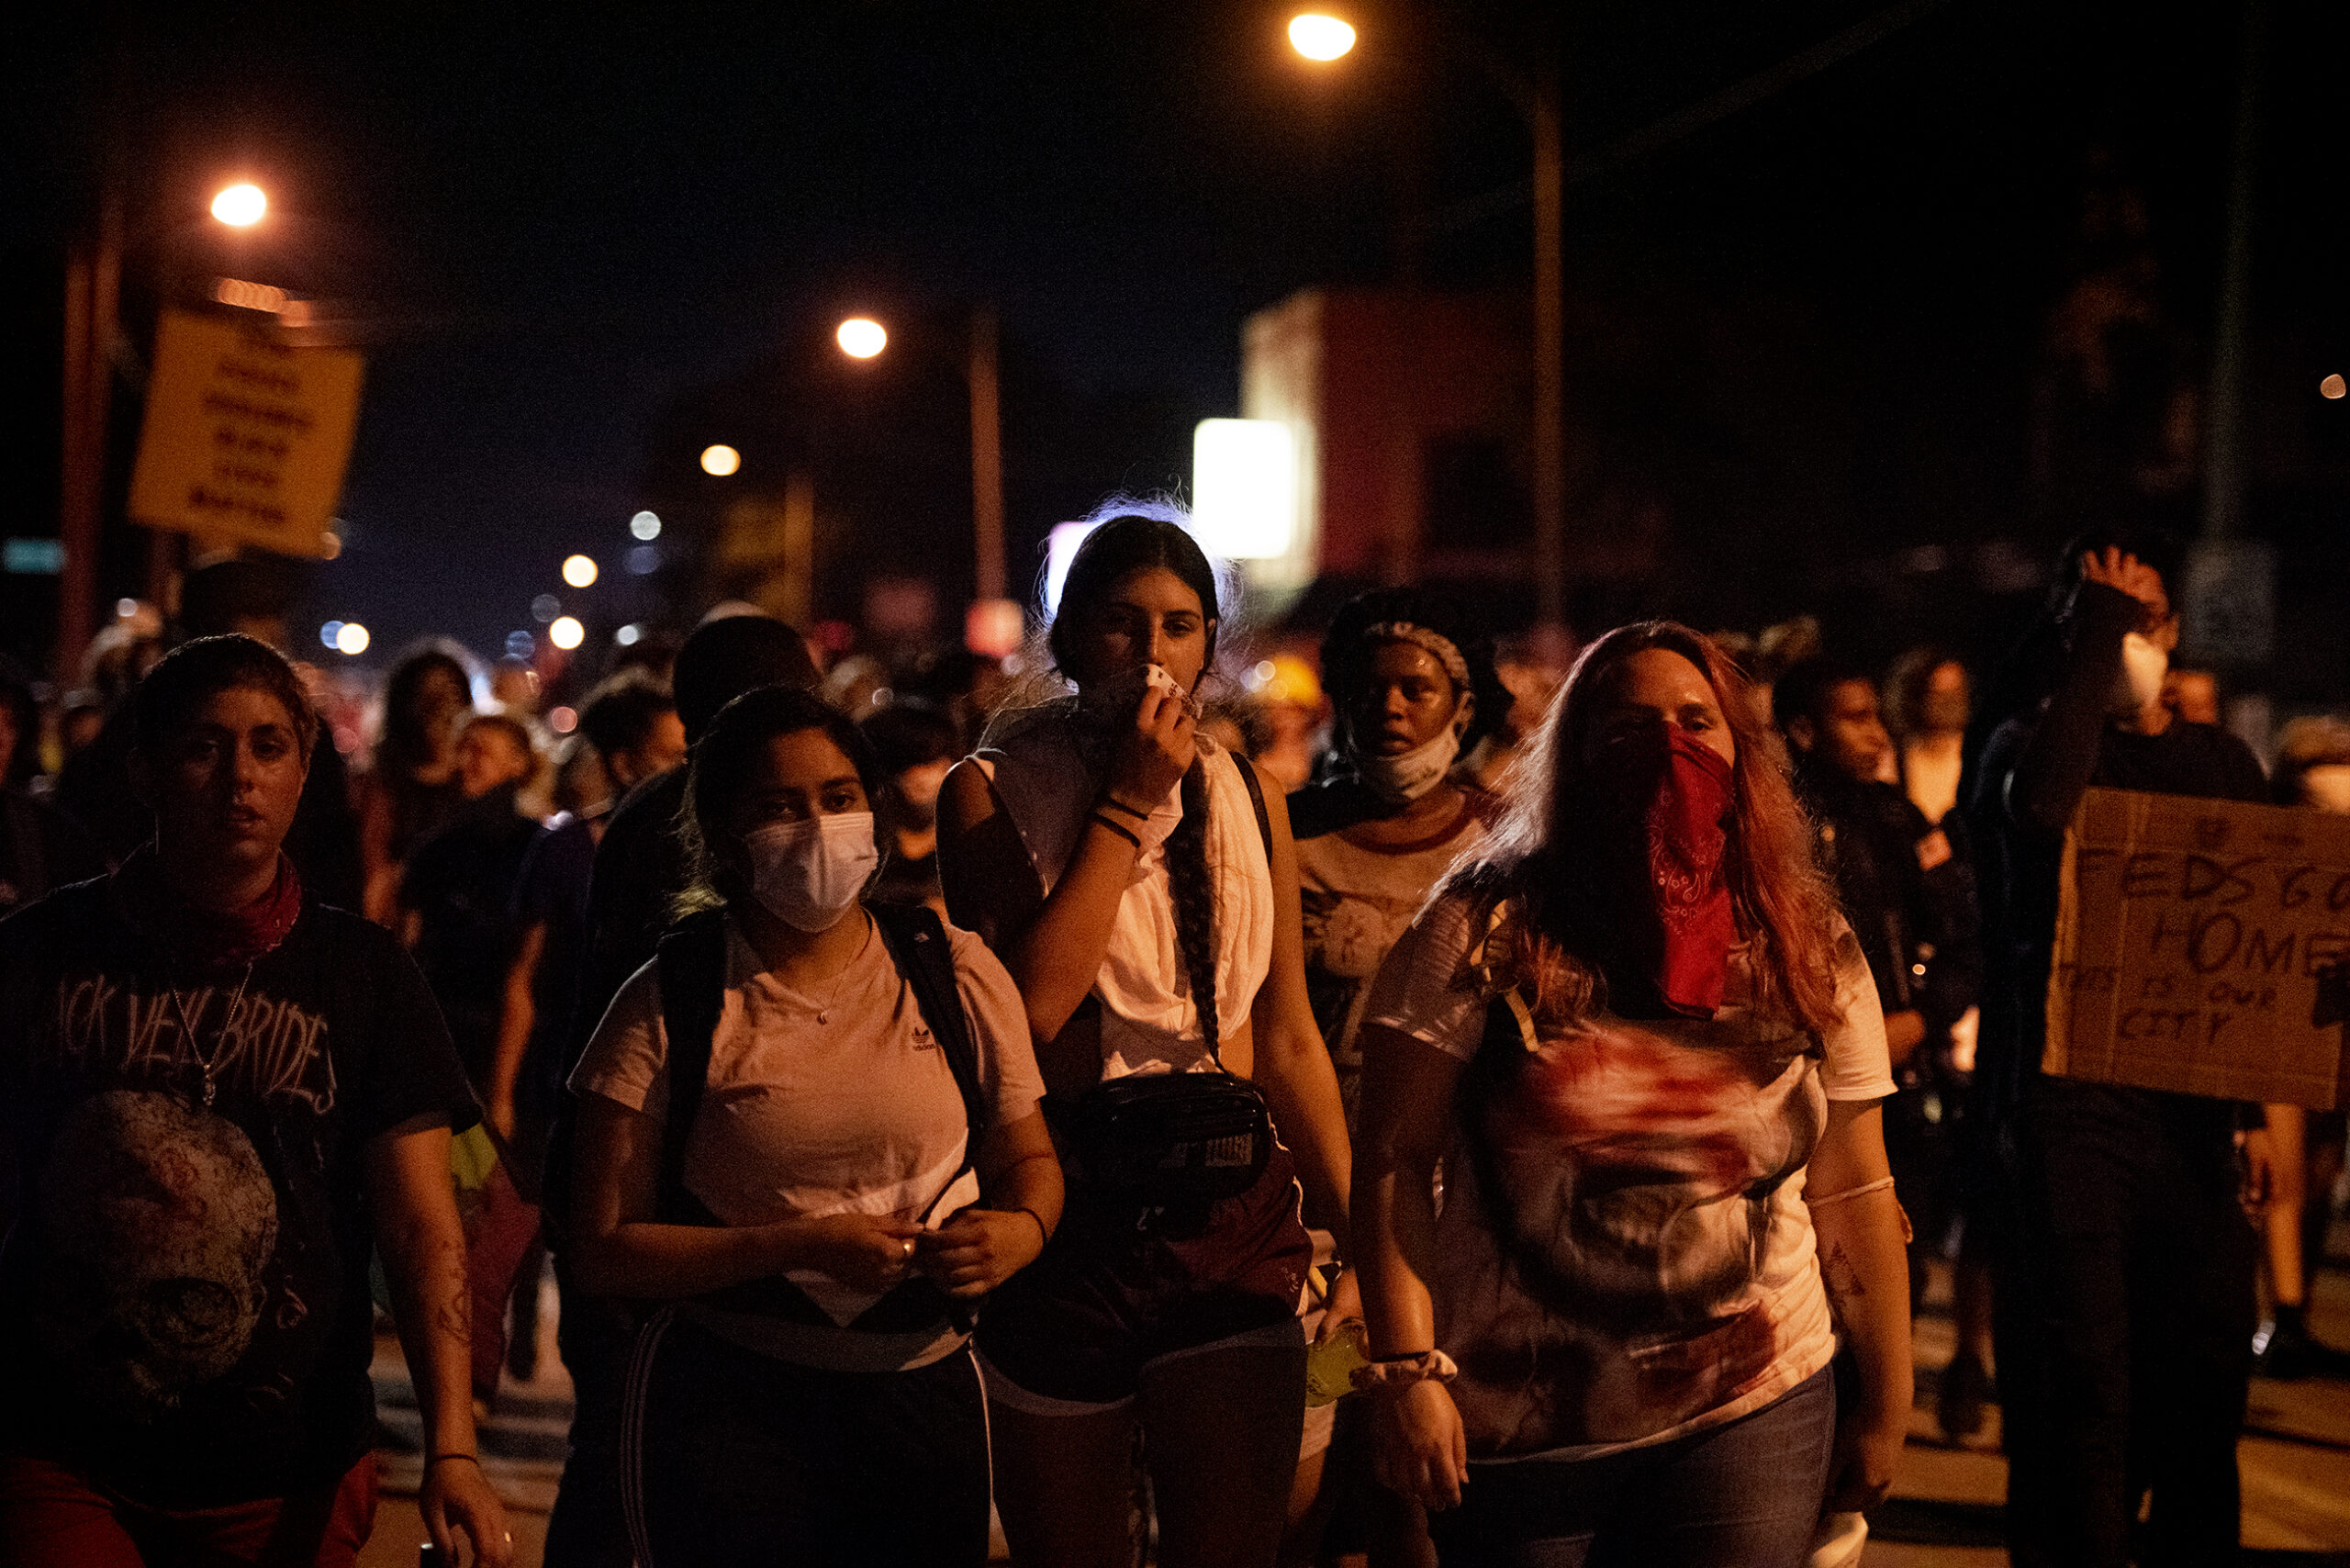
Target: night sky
{"type": "Point", "coordinates": [577, 240]}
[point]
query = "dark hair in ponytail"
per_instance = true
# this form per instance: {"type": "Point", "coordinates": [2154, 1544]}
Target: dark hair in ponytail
{"type": "Point", "coordinates": [1136, 537]}
{"type": "Point", "coordinates": [1192, 893]}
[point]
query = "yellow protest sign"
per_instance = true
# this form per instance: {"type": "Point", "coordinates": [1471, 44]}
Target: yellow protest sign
{"type": "Point", "coordinates": [2203, 946]}
{"type": "Point", "coordinates": [245, 438]}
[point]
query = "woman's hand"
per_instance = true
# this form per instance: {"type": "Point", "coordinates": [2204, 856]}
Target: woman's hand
{"type": "Point", "coordinates": [2118, 569]}
{"type": "Point", "coordinates": [979, 1250]}
{"type": "Point", "coordinates": [1419, 1448]}
{"type": "Point", "coordinates": [1154, 751]}
{"type": "Point", "coordinates": [456, 1496]}
{"type": "Point", "coordinates": [1868, 1445]}
{"type": "Point", "coordinates": [865, 1252]}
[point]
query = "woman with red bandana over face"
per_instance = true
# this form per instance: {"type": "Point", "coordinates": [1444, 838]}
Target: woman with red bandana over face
{"type": "Point", "coordinates": [1643, 1050]}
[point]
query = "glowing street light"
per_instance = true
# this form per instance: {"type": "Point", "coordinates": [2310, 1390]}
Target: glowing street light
{"type": "Point", "coordinates": [2332, 387]}
{"type": "Point", "coordinates": [241, 205]}
{"type": "Point", "coordinates": [566, 632]}
{"type": "Point", "coordinates": [351, 638]}
{"type": "Point", "coordinates": [861, 337]}
{"type": "Point", "coordinates": [1319, 37]}
{"type": "Point", "coordinates": [645, 525]}
{"type": "Point", "coordinates": [579, 571]}
{"type": "Point", "coordinates": [720, 461]}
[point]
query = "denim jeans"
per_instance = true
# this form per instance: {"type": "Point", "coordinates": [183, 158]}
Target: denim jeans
{"type": "Point", "coordinates": [1745, 1494]}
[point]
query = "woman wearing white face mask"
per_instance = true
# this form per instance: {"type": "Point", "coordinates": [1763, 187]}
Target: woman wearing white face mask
{"type": "Point", "coordinates": [1413, 688]}
{"type": "Point", "coordinates": [812, 1128]}
{"type": "Point", "coordinates": [2093, 1314]}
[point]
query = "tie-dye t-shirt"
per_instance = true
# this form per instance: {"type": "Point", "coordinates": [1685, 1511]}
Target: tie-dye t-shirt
{"type": "Point", "coordinates": [1623, 1253]}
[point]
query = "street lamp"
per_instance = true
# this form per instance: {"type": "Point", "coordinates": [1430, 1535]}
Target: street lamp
{"type": "Point", "coordinates": [1311, 35]}
{"type": "Point", "coordinates": [720, 461]}
{"type": "Point", "coordinates": [241, 205]}
{"type": "Point", "coordinates": [1319, 37]}
{"type": "Point", "coordinates": [992, 624]}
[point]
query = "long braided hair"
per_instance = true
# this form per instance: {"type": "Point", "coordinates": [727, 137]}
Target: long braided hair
{"type": "Point", "coordinates": [1138, 540]}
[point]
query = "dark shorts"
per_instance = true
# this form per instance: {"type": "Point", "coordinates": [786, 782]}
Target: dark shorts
{"type": "Point", "coordinates": [1118, 1289]}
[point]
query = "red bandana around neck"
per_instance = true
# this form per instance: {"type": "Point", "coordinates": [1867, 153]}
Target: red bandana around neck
{"type": "Point", "coordinates": [206, 940]}
{"type": "Point", "coordinates": [1672, 799]}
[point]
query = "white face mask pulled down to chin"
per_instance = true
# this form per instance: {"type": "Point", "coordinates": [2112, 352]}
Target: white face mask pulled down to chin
{"type": "Point", "coordinates": [2144, 662]}
{"type": "Point", "coordinates": [1408, 776]}
{"type": "Point", "coordinates": [808, 873]}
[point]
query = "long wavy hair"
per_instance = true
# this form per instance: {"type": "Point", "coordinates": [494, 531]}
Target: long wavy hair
{"type": "Point", "coordinates": [1540, 857]}
{"type": "Point", "coordinates": [1114, 551]}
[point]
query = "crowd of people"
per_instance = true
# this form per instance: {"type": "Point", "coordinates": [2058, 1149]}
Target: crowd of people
{"type": "Point", "coordinates": [1396, 1104]}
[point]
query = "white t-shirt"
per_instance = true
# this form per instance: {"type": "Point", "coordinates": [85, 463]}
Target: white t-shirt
{"type": "Point", "coordinates": [1039, 765]}
{"type": "Point", "coordinates": [1655, 1273]}
{"type": "Point", "coordinates": [833, 1100]}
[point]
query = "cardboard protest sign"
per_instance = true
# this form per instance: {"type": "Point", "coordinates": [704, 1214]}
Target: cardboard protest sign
{"type": "Point", "coordinates": [245, 439]}
{"type": "Point", "coordinates": [2203, 946]}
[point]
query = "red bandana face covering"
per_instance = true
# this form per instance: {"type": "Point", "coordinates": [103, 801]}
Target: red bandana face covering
{"type": "Point", "coordinates": [203, 940]}
{"type": "Point", "coordinates": [1671, 797]}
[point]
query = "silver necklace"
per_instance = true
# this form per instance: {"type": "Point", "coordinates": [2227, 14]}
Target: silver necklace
{"type": "Point", "coordinates": [220, 1036]}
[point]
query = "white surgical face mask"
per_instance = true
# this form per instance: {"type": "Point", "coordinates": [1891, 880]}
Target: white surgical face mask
{"type": "Point", "coordinates": [808, 873]}
{"type": "Point", "coordinates": [2144, 662]}
{"type": "Point", "coordinates": [1405, 778]}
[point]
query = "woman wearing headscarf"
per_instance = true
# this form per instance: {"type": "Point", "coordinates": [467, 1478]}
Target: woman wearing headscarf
{"type": "Point", "coordinates": [1413, 690]}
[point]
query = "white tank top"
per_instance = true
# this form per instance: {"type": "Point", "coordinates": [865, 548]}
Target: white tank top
{"type": "Point", "coordinates": [1048, 784]}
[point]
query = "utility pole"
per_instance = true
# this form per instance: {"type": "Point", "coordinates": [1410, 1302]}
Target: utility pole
{"type": "Point", "coordinates": [93, 285]}
{"type": "Point", "coordinates": [987, 461]}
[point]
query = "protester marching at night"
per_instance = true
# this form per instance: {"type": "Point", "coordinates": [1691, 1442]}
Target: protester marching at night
{"type": "Point", "coordinates": [2126, 1278]}
{"type": "Point", "coordinates": [811, 1127]}
{"type": "Point", "coordinates": [291, 1082]}
{"type": "Point", "coordinates": [1646, 1049]}
{"type": "Point", "coordinates": [1415, 691]}
{"type": "Point", "coordinates": [1141, 884]}
{"type": "Point", "coordinates": [1416, 786]}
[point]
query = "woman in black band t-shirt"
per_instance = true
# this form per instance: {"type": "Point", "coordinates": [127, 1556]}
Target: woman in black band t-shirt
{"type": "Point", "coordinates": [220, 1096]}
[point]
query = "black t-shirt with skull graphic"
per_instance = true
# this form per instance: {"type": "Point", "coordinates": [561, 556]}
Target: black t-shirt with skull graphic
{"type": "Point", "coordinates": [184, 1300]}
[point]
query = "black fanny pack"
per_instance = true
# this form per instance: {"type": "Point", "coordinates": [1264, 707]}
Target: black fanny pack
{"type": "Point", "coordinates": [1173, 1139]}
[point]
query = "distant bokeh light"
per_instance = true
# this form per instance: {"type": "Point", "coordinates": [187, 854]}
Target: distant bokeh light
{"type": "Point", "coordinates": [351, 638]}
{"type": "Point", "coordinates": [239, 207]}
{"type": "Point", "coordinates": [1319, 37]}
{"type": "Point", "coordinates": [566, 632]}
{"type": "Point", "coordinates": [645, 525]}
{"type": "Point", "coordinates": [861, 337]}
{"type": "Point", "coordinates": [2333, 387]}
{"type": "Point", "coordinates": [628, 635]}
{"type": "Point", "coordinates": [521, 644]}
{"type": "Point", "coordinates": [328, 632]}
{"type": "Point", "coordinates": [562, 721]}
{"type": "Point", "coordinates": [545, 607]}
{"type": "Point", "coordinates": [645, 560]}
{"type": "Point", "coordinates": [579, 571]}
{"type": "Point", "coordinates": [720, 461]}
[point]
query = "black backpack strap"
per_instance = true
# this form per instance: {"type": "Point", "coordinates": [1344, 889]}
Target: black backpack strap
{"type": "Point", "coordinates": [1257, 800]}
{"type": "Point", "coordinates": [917, 943]}
{"type": "Point", "coordinates": [691, 960]}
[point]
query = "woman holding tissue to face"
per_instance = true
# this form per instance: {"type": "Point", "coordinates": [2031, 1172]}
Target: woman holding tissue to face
{"type": "Point", "coordinates": [1140, 884]}
{"type": "Point", "coordinates": [811, 1129]}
